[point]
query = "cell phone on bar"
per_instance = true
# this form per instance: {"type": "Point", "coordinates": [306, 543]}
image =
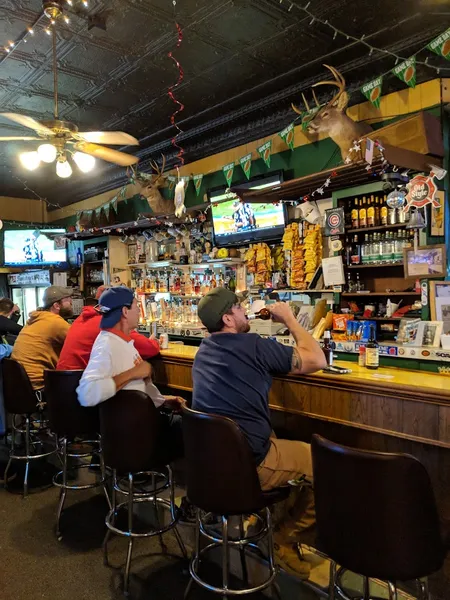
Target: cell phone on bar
{"type": "Point", "coordinates": [336, 370]}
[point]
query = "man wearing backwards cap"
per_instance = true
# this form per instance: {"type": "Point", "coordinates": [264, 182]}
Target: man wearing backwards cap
{"type": "Point", "coordinates": [39, 344]}
{"type": "Point", "coordinates": [115, 364]}
{"type": "Point", "coordinates": [232, 376]}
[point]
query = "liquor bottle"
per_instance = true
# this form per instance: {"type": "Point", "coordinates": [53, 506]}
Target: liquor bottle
{"type": "Point", "coordinates": [328, 347]}
{"type": "Point", "coordinates": [263, 314]}
{"type": "Point", "coordinates": [348, 252]}
{"type": "Point", "coordinates": [213, 281]}
{"type": "Point", "coordinates": [197, 285]}
{"type": "Point", "coordinates": [355, 215]}
{"type": "Point", "coordinates": [384, 212]}
{"type": "Point", "coordinates": [351, 286]}
{"type": "Point", "coordinates": [385, 249]}
{"type": "Point", "coordinates": [363, 213]}
{"type": "Point", "coordinates": [358, 286]}
{"type": "Point", "coordinates": [371, 213]}
{"type": "Point", "coordinates": [397, 247]}
{"type": "Point", "coordinates": [356, 251]}
{"type": "Point", "coordinates": [372, 351]}
{"type": "Point", "coordinates": [365, 250]}
{"type": "Point", "coordinates": [392, 216]}
{"type": "Point", "coordinates": [377, 211]}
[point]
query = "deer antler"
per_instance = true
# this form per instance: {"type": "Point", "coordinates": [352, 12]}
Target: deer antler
{"type": "Point", "coordinates": [297, 110]}
{"type": "Point", "coordinates": [154, 165]}
{"type": "Point", "coordinates": [339, 83]}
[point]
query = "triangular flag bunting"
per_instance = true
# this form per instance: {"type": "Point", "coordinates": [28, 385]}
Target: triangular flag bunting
{"type": "Point", "coordinates": [287, 135]}
{"type": "Point", "coordinates": [441, 45]}
{"type": "Point", "coordinates": [372, 91]}
{"type": "Point", "coordinates": [198, 183]}
{"type": "Point", "coordinates": [406, 71]}
{"type": "Point", "coordinates": [246, 164]}
{"type": "Point", "coordinates": [308, 116]}
{"type": "Point", "coordinates": [264, 152]}
{"type": "Point", "coordinates": [228, 172]}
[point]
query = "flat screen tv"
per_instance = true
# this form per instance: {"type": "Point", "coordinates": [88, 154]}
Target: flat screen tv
{"type": "Point", "coordinates": [237, 223]}
{"type": "Point", "coordinates": [33, 247]}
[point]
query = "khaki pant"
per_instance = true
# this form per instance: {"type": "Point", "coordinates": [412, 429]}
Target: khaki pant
{"type": "Point", "coordinates": [287, 460]}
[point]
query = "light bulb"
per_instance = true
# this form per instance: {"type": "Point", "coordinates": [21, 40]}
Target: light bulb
{"type": "Point", "coordinates": [85, 162]}
{"type": "Point", "coordinates": [63, 168]}
{"type": "Point", "coordinates": [47, 153]}
{"type": "Point", "coordinates": [30, 160]}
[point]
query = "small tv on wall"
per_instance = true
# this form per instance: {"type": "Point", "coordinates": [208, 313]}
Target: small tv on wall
{"type": "Point", "coordinates": [33, 247]}
{"type": "Point", "coordinates": [237, 223]}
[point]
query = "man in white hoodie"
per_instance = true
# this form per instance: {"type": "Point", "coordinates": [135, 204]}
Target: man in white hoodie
{"type": "Point", "coordinates": [115, 364]}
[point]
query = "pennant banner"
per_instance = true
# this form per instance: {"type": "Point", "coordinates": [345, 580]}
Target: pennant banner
{"type": "Point", "coordinates": [406, 71]}
{"type": "Point", "coordinates": [287, 135]}
{"type": "Point", "coordinates": [228, 173]}
{"type": "Point", "coordinates": [265, 152]}
{"type": "Point", "coordinates": [441, 45]}
{"type": "Point", "coordinates": [198, 183]}
{"type": "Point", "coordinates": [372, 91]}
{"type": "Point", "coordinates": [246, 164]}
{"type": "Point", "coordinates": [308, 116]}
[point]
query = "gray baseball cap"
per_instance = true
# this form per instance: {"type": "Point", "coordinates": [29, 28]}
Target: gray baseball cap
{"type": "Point", "coordinates": [55, 293]}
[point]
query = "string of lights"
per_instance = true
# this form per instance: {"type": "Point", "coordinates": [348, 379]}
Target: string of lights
{"type": "Point", "coordinates": [339, 32]}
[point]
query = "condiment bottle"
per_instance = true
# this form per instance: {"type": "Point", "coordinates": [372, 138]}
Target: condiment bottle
{"type": "Point", "coordinates": [328, 347]}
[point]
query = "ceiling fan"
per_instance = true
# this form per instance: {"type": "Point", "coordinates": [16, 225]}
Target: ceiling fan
{"type": "Point", "coordinates": [62, 138]}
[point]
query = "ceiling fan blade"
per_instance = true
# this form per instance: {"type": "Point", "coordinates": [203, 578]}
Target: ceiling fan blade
{"type": "Point", "coordinates": [28, 122]}
{"type": "Point", "coordinates": [17, 138]}
{"type": "Point", "coordinates": [115, 138]}
{"type": "Point", "coordinates": [114, 156]}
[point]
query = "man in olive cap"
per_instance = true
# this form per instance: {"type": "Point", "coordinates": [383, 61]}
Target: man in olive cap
{"type": "Point", "coordinates": [232, 376]}
{"type": "Point", "coordinates": [39, 344]}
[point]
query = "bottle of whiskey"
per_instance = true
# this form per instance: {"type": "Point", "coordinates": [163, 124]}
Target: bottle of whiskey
{"type": "Point", "coordinates": [363, 213]}
{"type": "Point", "coordinates": [371, 213]}
{"type": "Point", "coordinates": [372, 351]}
{"type": "Point", "coordinates": [356, 251]}
{"type": "Point", "coordinates": [377, 212]}
{"type": "Point", "coordinates": [384, 212]}
{"type": "Point", "coordinates": [355, 214]}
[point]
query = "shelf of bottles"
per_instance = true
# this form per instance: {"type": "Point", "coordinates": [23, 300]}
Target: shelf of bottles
{"type": "Point", "coordinates": [181, 282]}
{"type": "Point", "coordinates": [376, 235]}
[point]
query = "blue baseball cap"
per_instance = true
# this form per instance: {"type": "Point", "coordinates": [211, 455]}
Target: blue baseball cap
{"type": "Point", "coordinates": [111, 303]}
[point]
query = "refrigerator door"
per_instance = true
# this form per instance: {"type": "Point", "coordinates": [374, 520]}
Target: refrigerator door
{"type": "Point", "coordinates": [31, 301]}
{"type": "Point", "coordinates": [17, 298]}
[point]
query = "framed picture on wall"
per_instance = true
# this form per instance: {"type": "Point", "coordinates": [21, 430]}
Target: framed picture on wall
{"type": "Point", "coordinates": [425, 262]}
{"type": "Point", "coordinates": [429, 333]}
{"type": "Point", "coordinates": [438, 215]}
{"type": "Point", "coordinates": [440, 303]}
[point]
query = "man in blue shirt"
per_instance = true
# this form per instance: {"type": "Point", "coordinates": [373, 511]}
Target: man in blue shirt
{"type": "Point", "coordinates": [232, 376]}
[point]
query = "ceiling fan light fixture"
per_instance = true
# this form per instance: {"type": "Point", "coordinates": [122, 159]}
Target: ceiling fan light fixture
{"type": "Point", "coordinates": [47, 152]}
{"type": "Point", "coordinates": [30, 160]}
{"type": "Point", "coordinates": [63, 168]}
{"type": "Point", "coordinates": [85, 162]}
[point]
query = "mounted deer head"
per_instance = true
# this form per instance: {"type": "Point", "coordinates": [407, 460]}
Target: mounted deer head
{"type": "Point", "coordinates": [150, 188]}
{"type": "Point", "coordinates": [332, 118]}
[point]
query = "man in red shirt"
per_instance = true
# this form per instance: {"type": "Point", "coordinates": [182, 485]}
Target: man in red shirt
{"type": "Point", "coordinates": [83, 333]}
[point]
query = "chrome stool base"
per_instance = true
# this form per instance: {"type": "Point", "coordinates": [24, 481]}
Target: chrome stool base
{"type": "Point", "coordinates": [139, 497]}
{"type": "Point", "coordinates": [65, 451]}
{"type": "Point", "coordinates": [30, 443]}
{"type": "Point", "coordinates": [241, 544]}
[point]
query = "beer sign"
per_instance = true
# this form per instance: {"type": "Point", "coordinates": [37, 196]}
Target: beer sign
{"type": "Point", "coordinates": [421, 191]}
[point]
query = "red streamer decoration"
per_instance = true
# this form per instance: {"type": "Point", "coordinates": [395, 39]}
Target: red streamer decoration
{"type": "Point", "coordinates": [172, 97]}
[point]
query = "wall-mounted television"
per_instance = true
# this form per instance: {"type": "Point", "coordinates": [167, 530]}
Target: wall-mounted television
{"type": "Point", "coordinates": [237, 223]}
{"type": "Point", "coordinates": [33, 247]}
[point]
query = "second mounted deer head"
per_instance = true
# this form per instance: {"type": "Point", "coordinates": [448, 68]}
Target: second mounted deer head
{"type": "Point", "coordinates": [332, 119]}
{"type": "Point", "coordinates": [151, 185]}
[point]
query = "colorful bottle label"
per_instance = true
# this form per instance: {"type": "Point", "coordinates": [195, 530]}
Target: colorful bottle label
{"type": "Point", "coordinates": [372, 357]}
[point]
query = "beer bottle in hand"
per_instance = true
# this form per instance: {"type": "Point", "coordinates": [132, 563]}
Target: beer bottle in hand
{"type": "Point", "coordinates": [263, 314]}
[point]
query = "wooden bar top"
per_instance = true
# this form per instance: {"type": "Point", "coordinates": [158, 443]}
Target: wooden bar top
{"type": "Point", "coordinates": [386, 380]}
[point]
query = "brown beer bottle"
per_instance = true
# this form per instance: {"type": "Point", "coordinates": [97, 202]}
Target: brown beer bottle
{"type": "Point", "coordinates": [263, 314]}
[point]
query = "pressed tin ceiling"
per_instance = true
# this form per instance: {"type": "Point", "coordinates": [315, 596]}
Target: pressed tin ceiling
{"type": "Point", "coordinates": [244, 61]}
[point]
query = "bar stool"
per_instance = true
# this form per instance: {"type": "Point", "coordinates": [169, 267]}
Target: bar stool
{"type": "Point", "coordinates": [222, 479]}
{"type": "Point", "coordinates": [76, 427]}
{"type": "Point", "coordinates": [376, 516]}
{"type": "Point", "coordinates": [22, 401]}
{"type": "Point", "coordinates": [129, 426]}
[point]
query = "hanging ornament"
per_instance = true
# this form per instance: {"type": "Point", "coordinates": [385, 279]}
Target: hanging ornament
{"type": "Point", "coordinates": [180, 209]}
{"type": "Point", "coordinates": [372, 91]}
{"type": "Point", "coordinates": [287, 135]}
{"type": "Point", "coordinates": [406, 71]}
{"type": "Point", "coordinates": [228, 172]}
{"type": "Point", "coordinates": [246, 164]}
{"type": "Point", "coordinates": [197, 183]}
{"type": "Point", "coordinates": [265, 152]}
{"type": "Point", "coordinates": [172, 97]}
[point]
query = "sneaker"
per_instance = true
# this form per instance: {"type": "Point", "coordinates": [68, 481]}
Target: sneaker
{"type": "Point", "coordinates": [287, 557]}
{"type": "Point", "coordinates": [187, 511]}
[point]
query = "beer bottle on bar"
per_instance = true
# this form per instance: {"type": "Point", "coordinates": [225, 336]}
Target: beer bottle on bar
{"type": "Point", "coordinates": [263, 314]}
{"type": "Point", "coordinates": [371, 213]}
{"type": "Point", "coordinates": [372, 351]}
{"type": "Point", "coordinates": [355, 215]}
{"type": "Point", "coordinates": [328, 347]}
{"type": "Point", "coordinates": [363, 213]}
